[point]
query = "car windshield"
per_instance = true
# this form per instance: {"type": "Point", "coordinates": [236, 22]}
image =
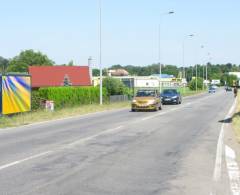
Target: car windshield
{"type": "Point", "coordinates": [146, 93]}
{"type": "Point", "coordinates": [169, 91]}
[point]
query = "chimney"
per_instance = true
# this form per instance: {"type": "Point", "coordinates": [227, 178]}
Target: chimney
{"type": "Point", "coordinates": [90, 69]}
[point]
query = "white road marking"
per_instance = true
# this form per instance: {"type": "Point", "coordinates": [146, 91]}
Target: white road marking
{"type": "Point", "coordinates": [162, 113]}
{"type": "Point", "coordinates": [83, 140]}
{"type": "Point", "coordinates": [24, 160]}
{"type": "Point", "coordinates": [71, 145]}
{"type": "Point", "coordinates": [218, 162]}
{"type": "Point", "coordinates": [233, 170]}
{"type": "Point", "coordinates": [219, 153]}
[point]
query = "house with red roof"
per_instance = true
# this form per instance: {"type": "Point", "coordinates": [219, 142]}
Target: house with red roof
{"type": "Point", "coordinates": [57, 76]}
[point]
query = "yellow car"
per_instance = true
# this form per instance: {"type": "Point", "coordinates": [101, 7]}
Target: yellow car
{"type": "Point", "coordinates": [147, 99]}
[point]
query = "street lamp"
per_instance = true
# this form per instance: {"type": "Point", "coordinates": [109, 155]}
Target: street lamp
{"type": "Point", "coordinates": [209, 58]}
{"type": "Point", "coordinates": [159, 47]}
{"type": "Point", "coordinates": [202, 47]}
{"type": "Point", "coordinates": [100, 51]}
{"type": "Point", "coordinates": [183, 54]}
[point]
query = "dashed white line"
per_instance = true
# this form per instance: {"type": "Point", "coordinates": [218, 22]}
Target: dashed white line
{"type": "Point", "coordinates": [25, 159]}
{"type": "Point", "coordinates": [84, 140]}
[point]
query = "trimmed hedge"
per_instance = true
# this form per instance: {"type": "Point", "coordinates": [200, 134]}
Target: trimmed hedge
{"type": "Point", "coordinates": [69, 96]}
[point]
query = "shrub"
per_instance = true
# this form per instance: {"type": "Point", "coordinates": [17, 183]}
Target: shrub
{"type": "Point", "coordinates": [36, 100]}
{"type": "Point", "coordinates": [114, 86]}
{"type": "Point", "coordinates": [192, 84]}
{"type": "Point", "coordinates": [228, 79]}
{"type": "Point", "coordinates": [70, 96]}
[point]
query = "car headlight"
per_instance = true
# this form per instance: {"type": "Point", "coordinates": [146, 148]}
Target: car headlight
{"type": "Point", "coordinates": [134, 101]}
{"type": "Point", "coordinates": [151, 101]}
{"type": "Point", "coordinates": [174, 97]}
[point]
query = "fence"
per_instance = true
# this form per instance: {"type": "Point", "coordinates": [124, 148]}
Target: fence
{"type": "Point", "coordinates": [119, 98]}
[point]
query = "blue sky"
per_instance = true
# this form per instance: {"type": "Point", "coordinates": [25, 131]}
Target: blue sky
{"type": "Point", "coordinates": [68, 30]}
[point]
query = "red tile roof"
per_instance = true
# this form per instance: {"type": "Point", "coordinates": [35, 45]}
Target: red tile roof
{"type": "Point", "coordinates": [52, 76]}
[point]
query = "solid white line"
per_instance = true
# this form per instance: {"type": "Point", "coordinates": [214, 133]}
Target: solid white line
{"type": "Point", "coordinates": [233, 170]}
{"type": "Point", "coordinates": [219, 152]}
{"type": "Point", "coordinates": [24, 160]}
{"type": "Point", "coordinates": [218, 162]}
{"type": "Point", "coordinates": [83, 140]}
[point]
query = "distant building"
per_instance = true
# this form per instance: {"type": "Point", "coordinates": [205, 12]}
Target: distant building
{"type": "Point", "coordinates": [56, 76]}
{"type": "Point", "coordinates": [164, 76]}
{"type": "Point", "coordinates": [216, 82]}
{"type": "Point", "coordinates": [118, 72]}
{"type": "Point", "coordinates": [146, 81]}
{"type": "Point", "coordinates": [236, 74]}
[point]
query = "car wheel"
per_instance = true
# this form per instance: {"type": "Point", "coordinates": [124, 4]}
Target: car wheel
{"type": "Point", "coordinates": [157, 108]}
{"type": "Point", "coordinates": [160, 107]}
{"type": "Point", "coordinates": [133, 110]}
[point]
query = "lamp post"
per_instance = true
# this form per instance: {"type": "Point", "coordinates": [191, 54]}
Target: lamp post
{"type": "Point", "coordinates": [183, 54]}
{"type": "Point", "coordinates": [209, 58]}
{"type": "Point", "coordinates": [100, 51]}
{"type": "Point", "coordinates": [159, 48]}
{"type": "Point", "coordinates": [196, 76]}
{"type": "Point", "coordinates": [202, 47]}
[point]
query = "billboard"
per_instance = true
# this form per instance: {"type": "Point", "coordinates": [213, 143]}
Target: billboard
{"type": "Point", "coordinates": [16, 94]}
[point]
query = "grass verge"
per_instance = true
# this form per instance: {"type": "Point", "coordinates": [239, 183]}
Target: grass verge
{"type": "Point", "coordinates": [187, 92]}
{"type": "Point", "coordinates": [236, 119]}
{"type": "Point", "coordinates": [42, 115]}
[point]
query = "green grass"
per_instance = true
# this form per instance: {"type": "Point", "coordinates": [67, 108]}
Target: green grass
{"type": "Point", "coordinates": [236, 119]}
{"type": "Point", "coordinates": [42, 115]}
{"type": "Point", "coordinates": [187, 92]}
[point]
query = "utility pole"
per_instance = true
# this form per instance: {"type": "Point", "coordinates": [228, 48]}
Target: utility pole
{"type": "Point", "coordinates": [196, 77]}
{"type": "Point", "coordinates": [159, 48]}
{"type": "Point", "coordinates": [100, 51]}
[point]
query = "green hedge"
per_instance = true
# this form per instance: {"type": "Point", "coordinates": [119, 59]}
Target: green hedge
{"type": "Point", "coordinates": [68, 96]}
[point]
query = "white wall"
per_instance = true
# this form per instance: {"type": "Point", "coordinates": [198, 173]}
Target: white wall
{"type": "Point", "coordinates": [235, 73]}
{"type": "Point", "coordinates": [146, 83]}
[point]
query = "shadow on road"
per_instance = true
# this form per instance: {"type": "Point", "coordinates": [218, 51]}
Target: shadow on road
{"type": "Point", "coordinates": [229, 120]}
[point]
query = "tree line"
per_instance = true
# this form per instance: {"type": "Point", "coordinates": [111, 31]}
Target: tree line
{"type": "Point", "coordinates": [214, 71]}
{"type": "Point", "coordinates": [24, 59]}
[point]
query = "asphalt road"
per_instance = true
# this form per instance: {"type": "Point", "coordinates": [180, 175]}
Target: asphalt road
{"type": "Point", "coordinates": [168, 152]}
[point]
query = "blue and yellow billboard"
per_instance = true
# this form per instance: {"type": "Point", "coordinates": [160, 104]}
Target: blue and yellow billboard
{"type": "Point", "coordinates": [16, 94]}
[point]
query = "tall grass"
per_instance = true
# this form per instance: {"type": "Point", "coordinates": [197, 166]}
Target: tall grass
{"type": "Point", "coordinates": [43, 115]}
{"type": "Point", "coordinates": [236, 119]}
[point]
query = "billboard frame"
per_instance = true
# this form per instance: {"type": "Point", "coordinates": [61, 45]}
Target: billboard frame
{"type": "Point", "coordinates": [20, 75]}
